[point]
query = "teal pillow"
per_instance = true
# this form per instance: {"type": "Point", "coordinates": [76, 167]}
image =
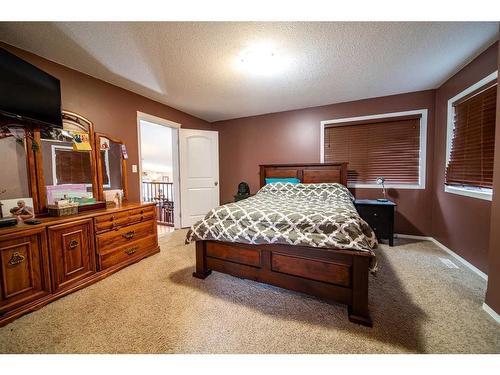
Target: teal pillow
{"type": "Point", "coordinates": [290, 179]}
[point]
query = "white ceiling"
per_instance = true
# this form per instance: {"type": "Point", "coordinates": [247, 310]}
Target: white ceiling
{"type": "Point", "coordinates": [191, 66]}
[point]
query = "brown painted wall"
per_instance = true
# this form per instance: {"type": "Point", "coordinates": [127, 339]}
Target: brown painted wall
{"type": "Point", "coordinates": [294, 136]}
{"type": "Point", "coordinates": [493, 292]}
{"type": "Point", "coordinates": [460, 223]}
{"type": "Point", "coordinates": [110, 108]}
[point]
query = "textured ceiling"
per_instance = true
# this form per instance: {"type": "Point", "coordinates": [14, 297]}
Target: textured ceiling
{"type": "Point", "coordinates": [191, 66]}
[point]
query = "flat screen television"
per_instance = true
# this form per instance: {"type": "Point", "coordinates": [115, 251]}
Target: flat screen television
{"type": "Point", "coordinates": [27, 93]}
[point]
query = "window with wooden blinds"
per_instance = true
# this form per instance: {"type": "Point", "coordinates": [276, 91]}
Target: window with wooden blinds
{"type": "Point", "coordinates": [472, 150]}
{"type": "Point", "coordinates": [384, 147]}
{"type": "Point", "coordinates": [72, 167]}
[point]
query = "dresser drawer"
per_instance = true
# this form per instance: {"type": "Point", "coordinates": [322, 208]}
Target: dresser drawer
{"type": "Point", "coordinates": [379, 216]}
{"type": "Point", "coordinates": [132, 250]}
{"type": "Point", "coordinates": [125, 235]}
{"type": "Point", "coordinates": [119, 219]}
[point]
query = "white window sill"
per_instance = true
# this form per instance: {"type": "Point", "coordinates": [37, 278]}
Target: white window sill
{"type": "Point", "coordinates": [473, 193]}
{"type": "Point", "coordinates": [387, 186]}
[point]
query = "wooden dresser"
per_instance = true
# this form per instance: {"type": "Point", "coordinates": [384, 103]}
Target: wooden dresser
{"type": "Point", "coordinates": [40, 263]}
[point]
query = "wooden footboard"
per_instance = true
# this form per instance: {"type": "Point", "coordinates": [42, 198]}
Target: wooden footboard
{"type": "Point", "coordinates": [331, 274]}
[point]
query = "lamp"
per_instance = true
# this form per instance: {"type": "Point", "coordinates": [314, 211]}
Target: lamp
{"type": "Point", "coordinates": [380, 181]}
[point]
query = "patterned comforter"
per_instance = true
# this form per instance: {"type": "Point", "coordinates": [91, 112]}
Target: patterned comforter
{"type": "Point", "coordinates": [316, 215]}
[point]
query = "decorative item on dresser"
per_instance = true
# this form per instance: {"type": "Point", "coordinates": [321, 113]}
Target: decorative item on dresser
{"type": "Point", "coordinates": [379, 215]}
{"type": "Point", "coordinates": [41, 263]}
{"type": "Point", "coordinates": [333, 274]}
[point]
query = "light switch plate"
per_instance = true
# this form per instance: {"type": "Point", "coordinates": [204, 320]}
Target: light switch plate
{"type": "Point", "coordinates": [134, 168]}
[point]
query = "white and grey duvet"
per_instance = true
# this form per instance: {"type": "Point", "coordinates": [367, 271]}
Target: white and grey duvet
{"type": "Point", "coordinates": [316, 215]}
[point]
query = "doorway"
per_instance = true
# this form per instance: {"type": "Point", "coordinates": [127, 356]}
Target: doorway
{"type": "Point", "coordinates": [159, 168]}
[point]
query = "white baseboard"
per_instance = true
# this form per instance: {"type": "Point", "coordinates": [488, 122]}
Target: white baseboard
{"type": "Point", "coordinates": [412, 237]}
{"type": "Point", "coordinates": [470, 266]}
{"type": "Point", "coordinates": [492, 312]}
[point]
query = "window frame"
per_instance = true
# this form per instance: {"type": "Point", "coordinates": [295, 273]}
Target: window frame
{"type": "Point", "coordinates": [472, 192]}
{"type": "Point", "coordinates": [423, 146]}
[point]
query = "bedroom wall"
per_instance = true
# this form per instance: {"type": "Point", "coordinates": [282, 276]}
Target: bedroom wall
{"type": "Point", "coordinates": [294, 136]}
{"type": "Point", "coordinates": [110, 108]}
{"type": "Point", "coordinates": [493, 291]}
{"type": "Point", "coordinates": [458, 222]}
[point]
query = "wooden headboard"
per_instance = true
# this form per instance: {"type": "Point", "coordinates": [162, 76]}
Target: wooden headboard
{"type": "Point", "coordinates": [306, 173]}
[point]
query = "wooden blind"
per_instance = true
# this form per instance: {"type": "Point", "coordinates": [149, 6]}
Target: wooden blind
{"type": "Point", "coordinates": [473, 142]}
{"type": "Point", "coordinates": [388, 147]}
{"type": "Point", "coordinates": [73, 167]}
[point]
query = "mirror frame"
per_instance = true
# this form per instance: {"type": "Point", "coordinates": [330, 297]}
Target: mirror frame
{"type": "Point", "coordinates": [100, 177]}
{"type": "Point", "coordinates": [76, 120]}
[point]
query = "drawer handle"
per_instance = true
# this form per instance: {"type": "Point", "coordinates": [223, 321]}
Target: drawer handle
{"type": "Point", "coordinates": [129, 235]}
{"type": "Point", "coordinates": [73, 244]}
{"type": "Point", "coordinates": [16, 259]}
{"type": "Point", "coordinates": [131, 250]}
{"type": "Point", "coordinates": [375, 214]}
{"type": "Point", "coordinates": [112, 218]}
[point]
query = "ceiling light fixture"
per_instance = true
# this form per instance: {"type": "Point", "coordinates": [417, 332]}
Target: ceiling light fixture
{"type": "Point", "coordinates": [261, 59]}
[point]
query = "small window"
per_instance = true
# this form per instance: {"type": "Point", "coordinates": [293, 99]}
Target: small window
{"type": "Point", "coordinates": [71, 167]}
{"type": "Point", "coordinates": [390, 146]}
{"type": "Point", "coordinates": [471, 141]}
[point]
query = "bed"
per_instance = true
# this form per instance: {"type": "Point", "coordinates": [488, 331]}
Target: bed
{"type": "Point", "coordinates": [304, 237]}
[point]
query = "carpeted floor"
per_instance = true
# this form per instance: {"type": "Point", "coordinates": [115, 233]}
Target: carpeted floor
{"type": "Point", "coordinates": [155, 306]}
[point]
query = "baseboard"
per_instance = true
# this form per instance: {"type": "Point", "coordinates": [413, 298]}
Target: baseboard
{"type": "Point", "coordinates": [470, 266]}
{"type": "Point", "coordinates": [413, 237]}
{"type": "Point", "coordinates": [492, 312]}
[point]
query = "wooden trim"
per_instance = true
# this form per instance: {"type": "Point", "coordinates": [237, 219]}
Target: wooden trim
{"type": "Point", "coordinates": [93, 163]}
{"type": "Point", "coordinates": [33, 171]}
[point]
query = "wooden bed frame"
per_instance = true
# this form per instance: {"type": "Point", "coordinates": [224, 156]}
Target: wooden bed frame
{"type": "Point", "coordinates": [332, 274]}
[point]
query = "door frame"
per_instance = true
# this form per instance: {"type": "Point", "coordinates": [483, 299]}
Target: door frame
{"type": "Point", "coordinates": [141, 116]}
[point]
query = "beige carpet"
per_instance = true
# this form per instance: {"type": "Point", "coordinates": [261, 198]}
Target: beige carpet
{"type": "Point", "coordinates": [155, 306]}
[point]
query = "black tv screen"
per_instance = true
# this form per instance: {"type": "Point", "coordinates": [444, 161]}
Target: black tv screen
{"type": "Point", "coordinates": [28, 93]}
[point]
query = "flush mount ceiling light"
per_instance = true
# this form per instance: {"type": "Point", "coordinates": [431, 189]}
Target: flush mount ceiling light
{"type": "Point", "coordinates": [261, 59]}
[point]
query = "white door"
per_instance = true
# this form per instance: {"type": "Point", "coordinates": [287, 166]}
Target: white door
{"type": "Point", "coordinates": [199, 170]}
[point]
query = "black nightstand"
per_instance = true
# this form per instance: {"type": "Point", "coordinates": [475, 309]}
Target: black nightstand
{"type": "Point", "coordinates": [379, 215]}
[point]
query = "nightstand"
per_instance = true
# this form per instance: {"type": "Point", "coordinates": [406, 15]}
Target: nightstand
{"type": "Point", "coordinates": [379, 216]}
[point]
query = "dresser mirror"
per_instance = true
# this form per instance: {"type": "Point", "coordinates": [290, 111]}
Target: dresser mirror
{"type": "Point", "coordinates": [14, 178]}
{"type": "Point", "coordinates": [42, 165]}
{"type": "Point", "coordinates": [68, 161]}
{"type": "Point", "coordinates": [111, 165]}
